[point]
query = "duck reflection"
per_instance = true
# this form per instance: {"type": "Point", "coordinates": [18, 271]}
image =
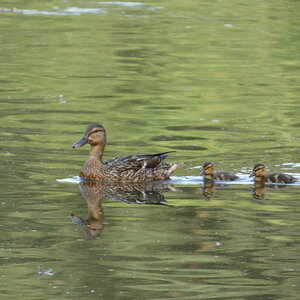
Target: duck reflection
{"type": "Point", "coordinates": [139, 193]}
{"type": "Point", "coordinates": [134, 193]}
{"type": "Point", "coordinates": [92, 193]}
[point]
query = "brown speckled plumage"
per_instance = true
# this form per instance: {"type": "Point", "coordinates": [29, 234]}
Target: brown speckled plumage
{"type": "Point", "coordinates": [132, 168]}
{"type": "Point", "coordinates": [209, 173]}
{"type": "Point", "coordinates": [260, 174]}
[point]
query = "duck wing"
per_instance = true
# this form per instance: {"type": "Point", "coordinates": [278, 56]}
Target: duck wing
{"type": "Point", "coordinates": [136, 161]}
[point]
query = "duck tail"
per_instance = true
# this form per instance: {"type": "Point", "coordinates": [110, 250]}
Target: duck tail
{"type": "Point", "coordinates": [163, 155]}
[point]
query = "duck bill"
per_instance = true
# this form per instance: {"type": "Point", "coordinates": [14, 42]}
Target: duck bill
{"type": "Point", "coordinates": [81, 142]}
{"type": "Point", "coordinates": [252, 174]}
{"type": "Point", "coordinates": [202, 173]}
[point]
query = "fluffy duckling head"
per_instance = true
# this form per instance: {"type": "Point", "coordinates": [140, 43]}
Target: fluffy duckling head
{"type": "Point", "coordinates": [207, 169]}
{"type": "Point", "coordinates": [259, 170]}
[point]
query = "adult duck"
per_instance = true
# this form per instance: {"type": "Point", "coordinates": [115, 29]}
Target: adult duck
{"type": "Point", "coordinates": [132, 168]}
{"type": "Point", "coordinates": [260, 174]}
{"type": "Point", "coordinates": [208, 173]}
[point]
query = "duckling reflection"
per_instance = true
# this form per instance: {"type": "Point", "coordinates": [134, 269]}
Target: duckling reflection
{"type": "Point", "coordinates": [208, 190]}
{"type": "Point", "coordinates": [259, 190]}
{"type": "Point", "coordinates": [135, 193]}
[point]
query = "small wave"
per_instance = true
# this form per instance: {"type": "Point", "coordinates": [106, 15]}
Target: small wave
{"type": "Point", "coordinates": [243, 179]}
{"type": "Point", "coordinates": [75, 179]}
{"type": "Point", "coordinates": [291, 165]}
{"type": "Point", "coordinates": [77, 11]}
{"type": "Point", "coordinates": [69, 11]}
{"type": "Point", "coordinates": [196, 180]}
{"type": "Point", "coordinates": [125, 4]}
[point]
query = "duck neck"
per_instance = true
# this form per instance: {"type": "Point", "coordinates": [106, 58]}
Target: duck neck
{"type": "Point", "coordinates": [96, 152]}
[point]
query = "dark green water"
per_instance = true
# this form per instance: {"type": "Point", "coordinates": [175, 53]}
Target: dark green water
{"type": "Point", "coordinates": [211, 80]}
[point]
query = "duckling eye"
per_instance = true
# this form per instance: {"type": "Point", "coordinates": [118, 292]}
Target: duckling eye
{"type": "Point", "coordinates": [261, 168]}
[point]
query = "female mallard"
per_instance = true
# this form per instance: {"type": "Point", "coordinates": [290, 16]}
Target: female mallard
{"type": "Point", "coordinates": [209, 173]}
{"type": "Point", "coordinates": [132, 168]}
{"type": "Point", "coordinates": [260, 174]}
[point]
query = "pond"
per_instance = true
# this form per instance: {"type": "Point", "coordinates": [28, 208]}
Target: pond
{"type": "Point", "coordinates": [209, 80]}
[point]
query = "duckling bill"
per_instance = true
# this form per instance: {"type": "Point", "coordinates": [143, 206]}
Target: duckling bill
{"type": "Point", "coordinates": [208, 172]}
{"type": "Point", "coordinates": [131, 168]}
{"type": "Point", "coordinates": [260, 174]}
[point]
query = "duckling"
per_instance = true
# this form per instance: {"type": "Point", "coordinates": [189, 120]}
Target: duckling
{"type": "Point", "coordinates": [260, 174]}
{"type": "Point", "coordinates": [209, 173]}
{"type": "Point", "coordinates": [132, 168]}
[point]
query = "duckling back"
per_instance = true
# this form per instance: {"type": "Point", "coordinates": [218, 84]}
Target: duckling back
{"type": "Point", "coordinates": [225, 176]}
{"type": "Point", "coordinates": [209, 173]}
{"type": "Point", "coordinates": [280, 178]}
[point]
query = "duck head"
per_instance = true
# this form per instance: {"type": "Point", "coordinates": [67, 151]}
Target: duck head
{"type": "Point", "coordinates": [259, 170]}
{"type": "Point", "coordinates": [207, 169]}
{"type": "Point", "coordinates": [93, 135]}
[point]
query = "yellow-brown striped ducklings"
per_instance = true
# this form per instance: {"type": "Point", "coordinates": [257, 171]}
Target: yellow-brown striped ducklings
{"type": "Point", "coordinates": [132, 168]}
{"type": "Point", "coordinates": [260, 174]}
{"type": "Point", "coordinates": [209, 173]}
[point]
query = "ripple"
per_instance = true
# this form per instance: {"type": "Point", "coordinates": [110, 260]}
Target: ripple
{"type": "Point", "coordinates": [193, 127]}
{"type": "Point", "coordinates": [176, 138]}
{"type": "Point", "coordinates": [196, 180]}
{"type": "Point", "coordinates": [124, 4]}
{"type": "Point", "coordinates": [75, 179]}
{"type": "Point", "coordinates": [291, 164]}
{"type": "Point", "coordinates": [77, 11]}
{"type": "Point", "coordinates": [69, 11]}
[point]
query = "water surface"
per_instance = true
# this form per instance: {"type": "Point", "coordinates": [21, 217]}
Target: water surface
{"type": "Point", "coordinates": [211, 80]}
